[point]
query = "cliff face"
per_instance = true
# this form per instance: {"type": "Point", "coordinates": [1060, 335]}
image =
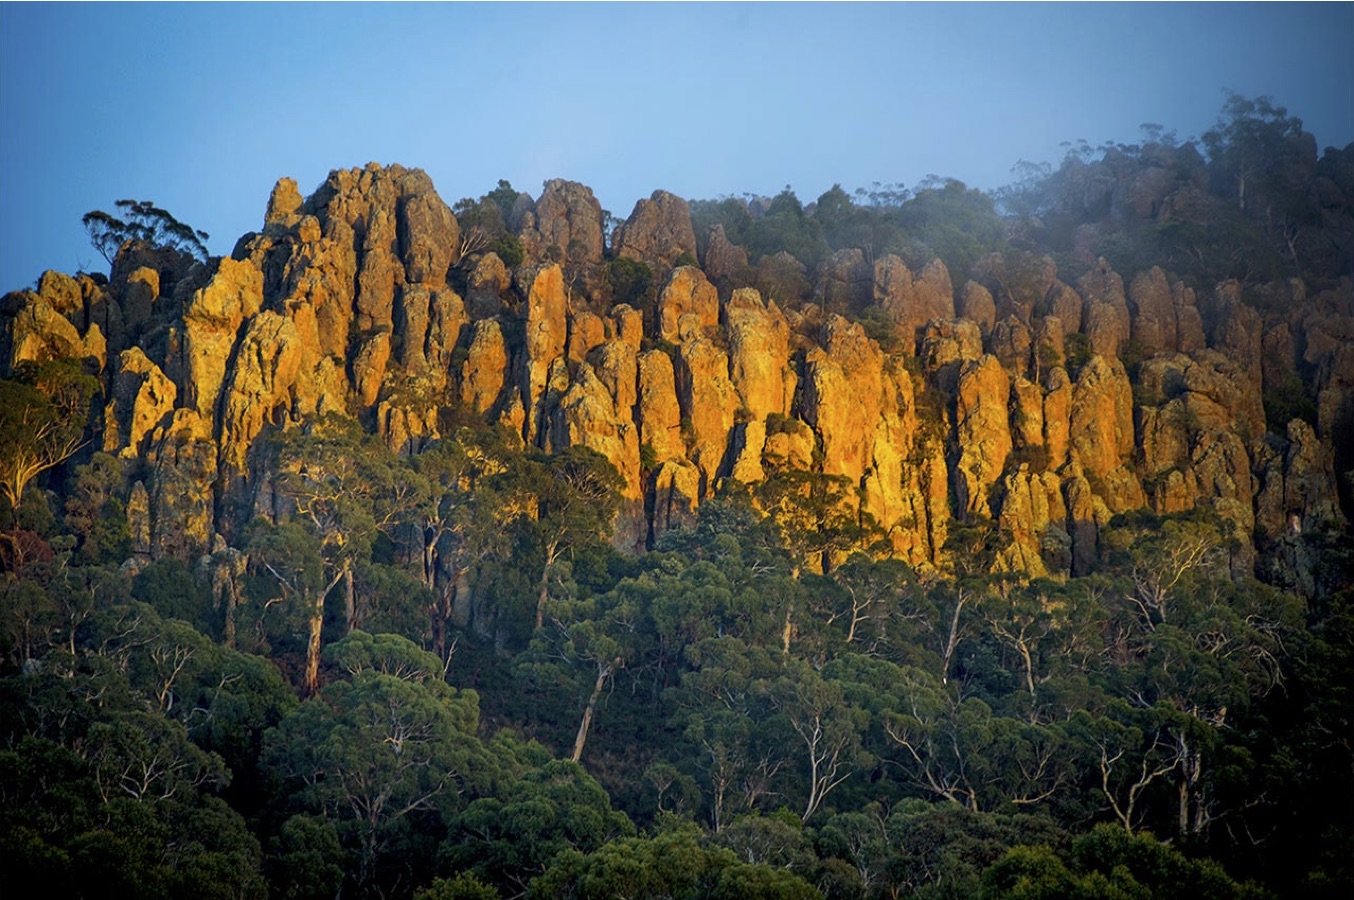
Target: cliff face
{"type": "Point", "coordinates": [978, 411]}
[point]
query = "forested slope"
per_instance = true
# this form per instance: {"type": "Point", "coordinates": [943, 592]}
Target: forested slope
{"type": "Point", "coordinates": [904, 543]}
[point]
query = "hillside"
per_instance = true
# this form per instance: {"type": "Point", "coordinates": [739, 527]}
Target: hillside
{"type": "Point", "coordinates": [1071, 467]}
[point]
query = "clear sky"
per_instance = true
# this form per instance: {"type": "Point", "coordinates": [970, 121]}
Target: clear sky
{"type": "Point", "coordinates": [202, 107]}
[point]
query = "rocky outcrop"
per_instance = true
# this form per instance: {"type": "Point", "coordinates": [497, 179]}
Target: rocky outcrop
{"type": "Point", "coordinates": [546, 330]}
{"type": "Point", "coordinates": [586, 416]}
{"type": "Point", "coordinates": [36, 332]}
{"type": "Point", "coordinates": [845, 282]}
{"type": "Point", "coordinates": [688, 293]}
{"type": "Point", "coordinates": [259, 390]}
{"type": "Point", "coordinates": [976, 305]}
{"type": "Point", "coordinates": [722, 259]}
{"type": "Point", "coordinates": [1105, 316]}
{"type": "Point", "coordinates": [945, 346]}
{"type": "Point", "coordinates": [1033, 520]}
{"type": "Point", "coordinates": [709, 403]}
{"type": "Point", "coordinates": [675, 491]}
{"type": "Point", "coordinates": [489, 281]}
{"type": "Point", "coordinates": [1013, 345]}
{"type": "Point", "coordinates": [141, 400]}
{"type": "Point", "coordinates": [1152, 312]}
{"type": "Point", "coordinates": [567, 218]}
{"type": "Point", "coordinates": [183, 463]}
{"type": "Point", "coordinates": [1296, 495]}
{"type": "Point", "coordinates": [912, 302]}
{"type": "Point", "coordinates": [843, 392]}
{"type": "Point", "coordinates": [657, 232]}
{"type": "Point", "coordinates": [486, 367]}
{"type": "Point", "coordinates": [1235, 329]}
{"type": "Point", "coordinates": [201, 346]}
{"type": "Point", "coordinates": [1066, 305]}
{"type": "Point", "coordinates": [659, 413]}
{"type": "Point", "coordinates": [759, 355]}
{"type": "Point", "coordinates": [1018, 281]}
{"type": "Point", "coordinates": [1100, 432]}
{"type": "Point", "coordinates": [1006, 405]}
{"type": "Point", "coordinates": [983, 432]}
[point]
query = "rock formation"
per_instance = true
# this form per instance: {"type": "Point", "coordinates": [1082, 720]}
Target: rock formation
{"type": "Point", "coordinates": [1004, 402]}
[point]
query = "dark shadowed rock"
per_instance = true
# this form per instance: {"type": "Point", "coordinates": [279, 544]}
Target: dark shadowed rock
{"type": "Point", "coordinates": [845, 282]}
{"type": "Point", "coordinates": [723, 259]}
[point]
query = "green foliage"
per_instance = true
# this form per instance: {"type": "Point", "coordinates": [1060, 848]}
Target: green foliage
{"type": "Point", "coordinates": [95, 511]}
{"type": "Point", "coordinates": [375, 752]}
{"type": "Point", "coordinates": [44, 408]}
{"type": "Point", "coordinates": [509, 249]}
{"type": "Point", "coordinates": [307, 860]}
{"type": "Point", "coordinates": [1248, 144]}
{"type": "Point", "coordinates": [1288, 401]}
{"type": "Point", "coordinates": [755, 707]}
{"type": "Point", "coordinates": [1078, 349]}
{"type": "Point", "coordinates": [729, 212]}
{"type": "Point", "coordinates": [145, 222]}
{"type": "Point", "coordinates": [168, 587]}
{"type": "Point", "coordinates": [631, 283]}
{"type": "Point", "coordinates": [949, 220]}
{"type": "Point", "coordinates": [1109, 863]}
{"type": "Point", "coordinates": [786, 229]}
{"type": "Point", "coordinates": [675, 864]}
{"type": "Point", "coordinates": [512, 838]}
{"type": "Point", "coordinates": [463, 887]}
{"type": "Point", "coordinates": [782, 277]}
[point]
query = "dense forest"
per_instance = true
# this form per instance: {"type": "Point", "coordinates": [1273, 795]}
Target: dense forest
{"type": "Point", "coordinates": [917, 542]}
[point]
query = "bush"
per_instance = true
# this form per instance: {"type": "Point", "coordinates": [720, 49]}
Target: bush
{"type": "Point", "coordinates": [1289, 401]}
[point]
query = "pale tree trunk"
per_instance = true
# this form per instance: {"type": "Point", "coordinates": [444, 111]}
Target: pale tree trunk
{"type": "Point", "coordinates": [604, 670]}
{"type": "Point", "coordinates": [232, 600]}
{"type": "Point", "coordinates": [543, 593]}
{"type": "Point", "coordinates": [1029, 665]}
{"type": "Point", "coordinates": [787, 631]}
{"type": "Point", "coordinates": [953, 641]}
{"type": "Point", "coordinates": [312, 680]}
{"type": "Point", "coordinates": [349, 601]}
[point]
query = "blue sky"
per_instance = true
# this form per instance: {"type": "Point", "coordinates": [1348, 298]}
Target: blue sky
{"type": "Point", "coordinates": [202, 107]}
